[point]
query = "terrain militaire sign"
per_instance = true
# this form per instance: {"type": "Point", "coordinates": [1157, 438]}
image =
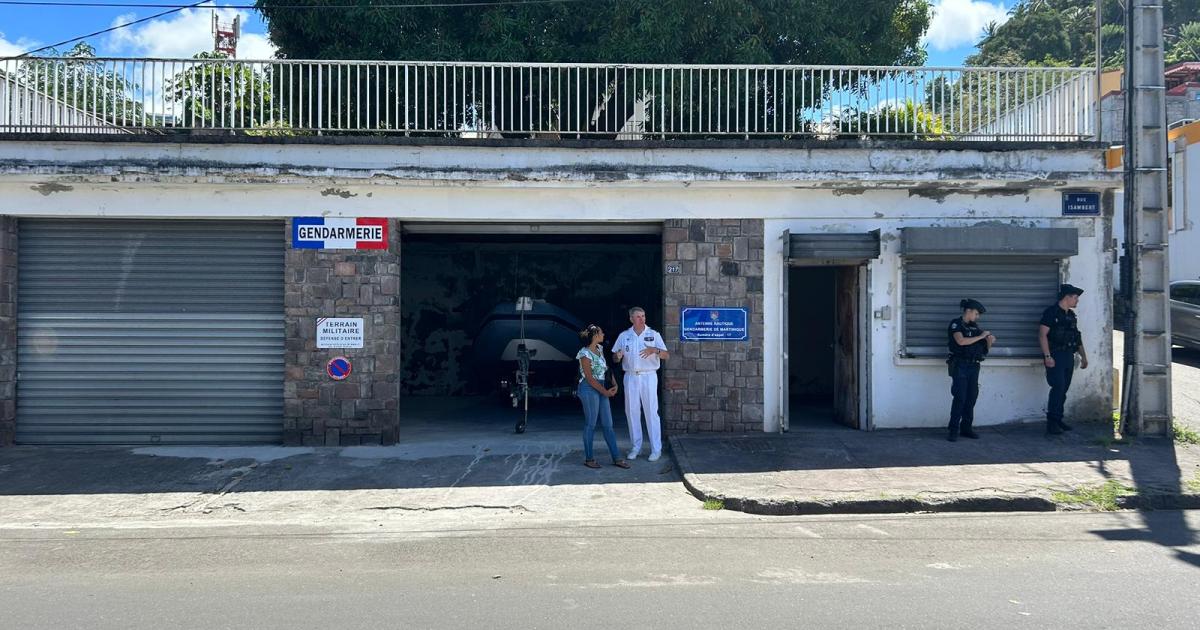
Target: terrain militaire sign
{"type": "Point", "coordinates": [710, 323]}
{"type": "Point", "coordinates": [339, 233]}
{"type": "Point", "coordinates": [340, 332]}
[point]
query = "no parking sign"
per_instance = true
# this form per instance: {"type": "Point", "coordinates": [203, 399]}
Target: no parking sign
{"type": "Point", "coordinates": [338, 368]}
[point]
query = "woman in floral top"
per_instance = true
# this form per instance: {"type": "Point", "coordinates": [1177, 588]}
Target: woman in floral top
{"type": "Point", "coordinates": [594, 395]}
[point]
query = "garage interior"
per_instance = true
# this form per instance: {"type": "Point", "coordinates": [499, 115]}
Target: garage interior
{"type": "Point", "coordinates": [459, 281]}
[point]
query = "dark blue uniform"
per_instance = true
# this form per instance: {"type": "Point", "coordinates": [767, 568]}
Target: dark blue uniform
{"type": "Point", "coordinates": [964, 374]}
{"type": "Point", "coordinates": [1064, 341]}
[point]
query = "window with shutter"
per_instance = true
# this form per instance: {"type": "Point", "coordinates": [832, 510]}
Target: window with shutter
{"type": "Point", "coordinates": [1015, 290]}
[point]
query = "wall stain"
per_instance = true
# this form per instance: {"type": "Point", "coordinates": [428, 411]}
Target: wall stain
{"type": "Point", "coordinates": [50, 188]}
{"type": "Point", "coordinates": [338, 192]}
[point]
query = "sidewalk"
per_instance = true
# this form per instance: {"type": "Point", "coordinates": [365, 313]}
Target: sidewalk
{"type": "Point", "coordinates": [1012, 468]}
{"type": "Point", "coordinates": [443, 478]}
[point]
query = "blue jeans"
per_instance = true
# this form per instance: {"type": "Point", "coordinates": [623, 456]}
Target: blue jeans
{"type": "Point", "coordinates": [1059, 380]}
{"type": "Point", "coordinates": [595, 405]}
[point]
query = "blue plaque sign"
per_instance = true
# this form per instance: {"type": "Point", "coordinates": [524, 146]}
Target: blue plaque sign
{"type": "Point", "coordinates": [700, 323]}
{"type": "Point", "coordinates": [1081, 204]}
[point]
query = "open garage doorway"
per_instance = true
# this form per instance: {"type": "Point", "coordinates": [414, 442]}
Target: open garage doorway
{"type": "Point", "coordinates": [460, 339]}
{"type": "Point", "coordinates": [824, 380]}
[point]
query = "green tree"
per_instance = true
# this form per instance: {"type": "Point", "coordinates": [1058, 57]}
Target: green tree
{"type": "Point", "coordinates": [219, 93]}
{"type": "Point", "coordinates": [880, 32]}
{"type": "Point", "coordinates": [85, 83]}
{"type": "Point", "coordinates": [1062, 33]}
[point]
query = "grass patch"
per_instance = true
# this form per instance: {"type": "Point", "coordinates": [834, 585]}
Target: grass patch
{"type": "Point", "coordinates": [1193, 484]}
{"type": "Point", "coordinates": [714, 504]}
{"type": "Point", "coordinates": [1186, 435]}
{"type": "Point", "coordinates": [1103, 497]}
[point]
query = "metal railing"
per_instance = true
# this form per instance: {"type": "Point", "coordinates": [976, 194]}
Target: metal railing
{"type": "Point", "coordinates": [481, 100]}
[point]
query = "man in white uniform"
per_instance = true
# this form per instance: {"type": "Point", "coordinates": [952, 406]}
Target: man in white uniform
{"type": "Point", "coordinates": [641, 351]}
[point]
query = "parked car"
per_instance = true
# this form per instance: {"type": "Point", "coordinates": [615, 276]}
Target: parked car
{"type": "Point", "coordinates": [1185, 314]}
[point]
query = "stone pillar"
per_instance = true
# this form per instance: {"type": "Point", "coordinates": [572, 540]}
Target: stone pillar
{"type": "Point", "coordinates": [363, 408]}
{"type": "Point", "coordinates": [718, 385]}
{"type": "Point", "coordinates": [8, 330]}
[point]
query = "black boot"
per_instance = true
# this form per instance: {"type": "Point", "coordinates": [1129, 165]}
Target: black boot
{"type": "Point", "coordinates": [1052, 428]}
{"type": "Point", "coordinates": [967, 432]}
{"type": "Point", "coordinates": [1064, 426]}
{"type": "Point", "coordinates": [952, 435]}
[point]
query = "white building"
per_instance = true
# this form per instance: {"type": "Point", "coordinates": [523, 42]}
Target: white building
{"type": "Point", "coordinates": [153, 291]}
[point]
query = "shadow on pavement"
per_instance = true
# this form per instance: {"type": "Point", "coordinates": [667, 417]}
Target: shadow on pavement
{"type": "Point", "coordinates": [471, 445]}
{"type": "Point", "coordinates": [1166, 527]}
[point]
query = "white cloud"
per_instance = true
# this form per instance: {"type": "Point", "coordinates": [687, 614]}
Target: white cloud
{"type": "Point", "coordinates": [183, 34]}
{"type": "Point", "coordinates": [958, 23]}
{"type": "Point", "coordinates": [11, 48]}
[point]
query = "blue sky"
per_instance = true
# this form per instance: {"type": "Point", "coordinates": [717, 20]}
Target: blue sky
{"type": "Point", "coordinates": [951, 38]}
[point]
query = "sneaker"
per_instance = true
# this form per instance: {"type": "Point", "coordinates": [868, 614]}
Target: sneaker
{"type": "Point", "coordinates": [632, 455]}
{"type": "Point", "coordinates": [654, 457]}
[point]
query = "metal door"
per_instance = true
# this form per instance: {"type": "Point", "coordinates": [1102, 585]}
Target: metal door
{"type": "Point", "coordinates": [150, 331]}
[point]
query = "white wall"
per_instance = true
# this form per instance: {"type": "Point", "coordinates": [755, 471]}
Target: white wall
{"type": "Point", "coordinates": [802, 189]}
{"type": "Point", "coordinates": [916, 392]}
{"type": "Point", "coordinates": [1184, 238]}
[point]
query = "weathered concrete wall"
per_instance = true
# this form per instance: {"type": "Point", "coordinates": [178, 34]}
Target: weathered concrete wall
{"type": "Point", "coordinates": [363, 408]}
{"type": "Point", "coordinates": [915, 392]}
{"type": "Point", "coordinates": [714, 385]}
{"type": "Point", "coordinates": [8, 330]}
{"type": "Point", "coordinates": [762, 189]}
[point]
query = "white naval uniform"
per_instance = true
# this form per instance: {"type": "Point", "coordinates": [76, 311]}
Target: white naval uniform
{"type": "Point", "coordinates": [641, 386]}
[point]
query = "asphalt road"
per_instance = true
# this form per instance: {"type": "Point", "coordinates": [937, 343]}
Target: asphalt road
{"type": "Point", "coordinates": [1080, 570]}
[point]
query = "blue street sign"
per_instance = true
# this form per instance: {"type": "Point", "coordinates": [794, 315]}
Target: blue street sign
{"type": "Point", "coordinates": [702, 323]}
{"type": "Point", "coordinates": [1081, 204]}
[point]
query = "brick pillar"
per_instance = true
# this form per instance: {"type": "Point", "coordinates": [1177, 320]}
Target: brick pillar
{"type": "Point", "coordinates": [718, 385]}
{"type": "Point", "coordinates": [8, 330]}
{"type": "Point", "coordinates": [362, 409]}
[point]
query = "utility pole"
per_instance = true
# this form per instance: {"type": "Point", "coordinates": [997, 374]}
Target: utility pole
{"type": "Point", "coordinates": [1146, 405]}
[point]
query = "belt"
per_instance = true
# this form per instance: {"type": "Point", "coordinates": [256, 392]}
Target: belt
{"type": "Point", "coordinates": [640, 372]}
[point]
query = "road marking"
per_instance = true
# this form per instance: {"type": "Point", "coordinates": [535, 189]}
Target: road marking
{"type": "Point", "coordinates": [874, 530]}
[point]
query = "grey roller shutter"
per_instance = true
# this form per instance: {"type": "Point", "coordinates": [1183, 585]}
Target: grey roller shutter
{"type": "Point", "coordinates": [1015, 290]}
{"type": "Point", "coordinates": [146, 332]}
{"type": "Point", "coordinates": [832, 248]}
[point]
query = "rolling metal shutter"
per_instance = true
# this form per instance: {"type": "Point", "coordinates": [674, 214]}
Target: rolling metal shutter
{"type": "Point", "coordinates": [149, 332]}
{"type": "Point", "coordinates": [832, 248]}
{"type": "Point", "coordinates": [1015, 290]}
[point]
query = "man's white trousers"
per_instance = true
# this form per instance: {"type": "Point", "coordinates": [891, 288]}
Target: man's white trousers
{"type": "Point", "coordinates": [641, 395]}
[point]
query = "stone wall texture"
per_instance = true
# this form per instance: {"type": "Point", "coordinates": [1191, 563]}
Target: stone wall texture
{"type": "Point", "coordinates": [713, 386]}
{"type": "Point", "coordinates": [363, 408]}
{"type": "Point", "coordinates": [8, 330]}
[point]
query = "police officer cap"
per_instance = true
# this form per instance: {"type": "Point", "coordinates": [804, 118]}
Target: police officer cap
{"type": "Point", "coordinates": [972, 304]}
{"type": "Point", "coordinates": [1068, 289]}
